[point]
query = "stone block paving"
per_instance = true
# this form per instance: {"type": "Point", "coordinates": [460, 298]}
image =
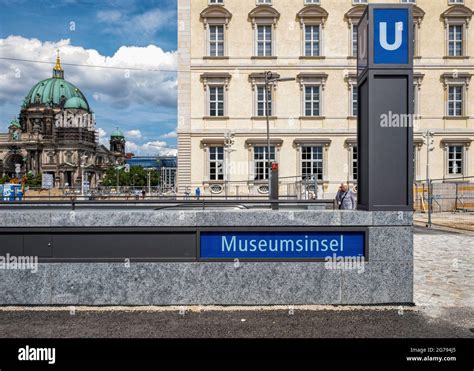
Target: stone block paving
{"type": "Point", "coordinates": [444, 270]}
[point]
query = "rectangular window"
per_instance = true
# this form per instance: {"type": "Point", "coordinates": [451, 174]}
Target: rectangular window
{"type": "Point", "coordinates": [216, 41]}
{"type": "Point", "coordinates": [354, 36]}
{"type": "Point", "coordinates": [455, 160]}
{"type": "Point", "coordinates": [455, 101]}
{"type": "Point", "coordinates": [261, 161]}
{"type": "Point", "coordinates": [216, 1]}
{"type": "Point", "coordinates": [354, 163]}
{"type": "Point", "coordinates": [312, 41]}
{"type": "Point", "coordinates": [216, 163]}
{"type": "Point", "coordinates": [216, 101]}
{"type": "Point", "coordinates": [354, 100]}
{"type": "Point", "coordinates": [312, 101]}
{"type": "Point", "coordinates": [455, 41]}
{"type": "Point", "coordinates": [262, 100]}
{"type": "Point", "coordinates": [268, 2]}
{"type": "Point", "coordinates": [312, 163]}
{"type": "Point", "coordinates": [264, 40]}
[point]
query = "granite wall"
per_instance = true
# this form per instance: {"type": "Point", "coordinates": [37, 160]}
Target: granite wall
{"type": "Point", "coordinates": [387, 276]}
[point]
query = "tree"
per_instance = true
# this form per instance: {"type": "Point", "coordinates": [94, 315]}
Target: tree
{"type": "Point", "coordinates": [137, 177]}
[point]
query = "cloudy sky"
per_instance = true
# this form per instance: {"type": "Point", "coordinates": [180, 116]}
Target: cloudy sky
{"type": "Point", "coordinates": [126, 52]}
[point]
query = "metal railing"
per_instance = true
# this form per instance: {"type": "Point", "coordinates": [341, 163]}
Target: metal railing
{"type": "Point", "coordinates": [445, 202]}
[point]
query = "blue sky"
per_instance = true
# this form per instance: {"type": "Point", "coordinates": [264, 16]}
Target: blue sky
{"type": "Point", "coordinates": [120, 33]}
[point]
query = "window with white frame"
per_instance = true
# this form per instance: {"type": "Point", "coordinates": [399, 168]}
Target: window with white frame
{"type": "Point", "coordinates": [312, 43]}
{"type": "Point", "coordinates": [450, 2]}
{"type": "Point", "coordinates": [216, 163]}
{"type": "Point", "coordinates": [312, 162]}
{"type": "Point", "coordinates": [408, 1]}
{"type": "Point", "coordinates": [264, 40]}
{"type": "Point", "coordinates": [261, 2]}
{"type": "Point", "coordinates": [455, 40]}
{"type": "Point", "coordinates": [359, 2]}
{"type": "Point", "coordinates": [216, 100]}
{"type": "Point", "coordinates": [455, 100]}
{"type": "Point", "coordinates": [354, 163]}
{"type": "Point", "coordinates": [354, 38]}
{"type": "Point", "coordinates": [312, 100]}
{"type": "Point", "coordinates": [307, 2]}
{"type": "Point", "coordinates": [455, 160]}
{"type": "Point", "coordinates": [260, 160]}
{"type": "Point", "coordinates": [354, 100]}
{"type": "Point", "coordinates": [261, 96]}
{"type": "Point", "coordinates": [218, 2]}
{"type": "Point", "coordinates": [216, 40]}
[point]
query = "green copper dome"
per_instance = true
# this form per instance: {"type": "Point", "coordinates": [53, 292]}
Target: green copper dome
{"type": "Point", "coordinates": [117, 134]}
{"type": "Point", "coordinates": [56, 91]}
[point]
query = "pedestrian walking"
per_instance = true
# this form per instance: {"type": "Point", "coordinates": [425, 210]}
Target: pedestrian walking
{"type": "Point", "coordinates": [345, 198]}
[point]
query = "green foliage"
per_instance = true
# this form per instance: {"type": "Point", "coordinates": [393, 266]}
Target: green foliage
{"type": "Point", "coordinates": [33, 180]}
{"type": "Point", "coordinates": [137, 177]}
{"type": "Point", "coordinates": [5, 179]}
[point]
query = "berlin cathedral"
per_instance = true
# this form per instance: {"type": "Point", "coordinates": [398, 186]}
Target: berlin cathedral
{"type": "Point", "coordinates": [56, 134]}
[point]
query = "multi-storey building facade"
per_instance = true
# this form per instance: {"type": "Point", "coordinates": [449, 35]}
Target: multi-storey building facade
{"type": "Point", "coordinates": [225, 46]}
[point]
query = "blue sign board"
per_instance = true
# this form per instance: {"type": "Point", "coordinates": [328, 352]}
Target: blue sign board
{"type": "Point", "coordinates": [281, 245]}
{"type": "Point", "coordinates": [391, 41]}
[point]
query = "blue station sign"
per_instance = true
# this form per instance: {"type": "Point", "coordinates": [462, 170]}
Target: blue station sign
{"type": "Point", "coordinates": [281, 245]}
{"type": "Point", "coordinates": [391, 36]}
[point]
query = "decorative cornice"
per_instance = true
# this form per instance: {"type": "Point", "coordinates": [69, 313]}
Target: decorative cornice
{"type": "Point", "coordinates": [355, 13]}
{"type": "Point", "coordinates": [216, 14]}
{"type": "Point", "coordinates": [264, 14]}
{"type": "Point", "coordinates": [457, 12]}
{"type": "Point", "coordinates": [299, 142]}
{"type": "Point", "coordinates": [312, 14]}
{"type": "Point", "coordinates": [263, 142]}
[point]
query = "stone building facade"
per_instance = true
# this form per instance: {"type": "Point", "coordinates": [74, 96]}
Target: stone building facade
{"type": "Point", "coordinates": [226, 45]}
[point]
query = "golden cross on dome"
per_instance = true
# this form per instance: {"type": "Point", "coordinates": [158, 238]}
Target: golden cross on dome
{"type": "Point", "coordinates": [58, 62]}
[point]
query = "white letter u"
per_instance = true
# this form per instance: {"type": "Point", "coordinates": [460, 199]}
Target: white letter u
{"type": "Point", "coordinates": [398, 36]}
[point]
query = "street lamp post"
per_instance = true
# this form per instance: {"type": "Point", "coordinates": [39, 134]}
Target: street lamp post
{"type": "Point", "coordinates": [270, 80]}
{"type": "Point", "coordinates": [428, 139]}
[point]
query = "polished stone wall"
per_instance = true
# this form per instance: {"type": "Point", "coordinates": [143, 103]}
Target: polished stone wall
{"type": "Point", "coordinates": [387, 276]}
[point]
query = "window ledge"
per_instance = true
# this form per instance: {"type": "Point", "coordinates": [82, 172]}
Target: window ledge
{"type": "Point", "coordinates": [255, 57]}
{"type": "Point", "coordinates": [304, 57]}
{"type": "Point", "coordinates": [215, 118]}
{"type": "Point", "coordinates": [352, 57]}
{"type": "Point", "coordinates": [262, 118]}
{"type": "Point", "coordinates": [208, 57]}
{"type": "Point", "coordinates": [456, 58]}
{"type": "Point", "coordinates": [450, 118]}
{"type": "Point", "coordinates": [307, 118]}
{"type": "Point", "coordinates": [352, 117]}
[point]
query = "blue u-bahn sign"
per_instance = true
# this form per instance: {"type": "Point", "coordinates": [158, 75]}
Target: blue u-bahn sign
{"type": "Point", "coordinates": [281, 245]}
{"type": "Point", "coordinates": [391, 36]}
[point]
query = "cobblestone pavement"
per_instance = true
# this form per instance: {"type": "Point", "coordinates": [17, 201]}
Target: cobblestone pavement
{"type": "Point", "coordinates": [444, 270]}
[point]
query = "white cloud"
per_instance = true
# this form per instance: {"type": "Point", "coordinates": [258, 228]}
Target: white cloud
{"type": "Point", "coordinates": [118, 88]}
{"type": "Point", "coordinates": [147, 23]}
{"type": "Point", "coordinates": [136, 134]}
{"type": "Point", "coordinates": [155, 148]}
{"type": "Point", "coordinates": [103, 139]}
{"type": "Point", "coordinates": [171, 134]}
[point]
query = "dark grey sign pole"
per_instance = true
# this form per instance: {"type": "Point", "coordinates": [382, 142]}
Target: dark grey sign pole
{"type": "Point", "coordinates": [385, 120]}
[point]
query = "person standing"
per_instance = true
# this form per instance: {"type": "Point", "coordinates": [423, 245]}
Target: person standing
{"type": "Point", "coordinates": [345, 198]}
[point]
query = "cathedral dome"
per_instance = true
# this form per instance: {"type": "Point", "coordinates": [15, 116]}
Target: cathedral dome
{"type": "Point", "coordinates": [117, 134]}
{"type": "Point", "coordinates": [56, 92]}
